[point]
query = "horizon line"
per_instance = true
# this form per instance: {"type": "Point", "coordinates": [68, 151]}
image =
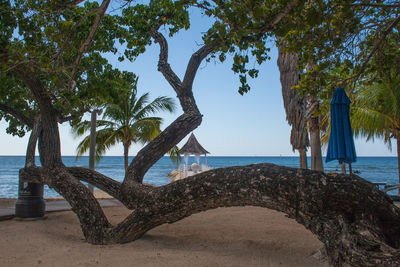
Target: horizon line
{"type": "Point", "coordinates": [289, 156]}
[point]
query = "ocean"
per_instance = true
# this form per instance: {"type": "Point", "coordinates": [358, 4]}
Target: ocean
{"type": "Point", "coordinates": [373, 169]}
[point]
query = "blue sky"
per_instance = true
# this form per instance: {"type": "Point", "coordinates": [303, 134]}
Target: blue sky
{"type": "Point", "coordinates": [233, 125]}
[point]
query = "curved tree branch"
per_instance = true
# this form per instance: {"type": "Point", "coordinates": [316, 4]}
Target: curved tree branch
{"type": "Point", "coordinates": [108, 185]}
{"type": "Point", "coordinates": [181, 127]}
{"type": "Point", "coordinates": [6, 108]}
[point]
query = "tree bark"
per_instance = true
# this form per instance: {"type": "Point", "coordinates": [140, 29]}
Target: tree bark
{"type": "Point", "coordinates": [295, 105]}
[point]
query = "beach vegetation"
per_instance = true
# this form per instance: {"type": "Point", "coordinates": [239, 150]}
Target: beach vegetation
{"type": "Point", "coordinates": [59, 41]}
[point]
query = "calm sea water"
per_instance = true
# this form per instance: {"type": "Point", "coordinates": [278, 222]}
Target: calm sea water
{"type": "Point", "coordinates": [374, 169]}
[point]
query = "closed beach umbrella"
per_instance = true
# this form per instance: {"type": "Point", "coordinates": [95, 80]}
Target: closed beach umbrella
{"type": "Point", "coordinates": [341, 143]}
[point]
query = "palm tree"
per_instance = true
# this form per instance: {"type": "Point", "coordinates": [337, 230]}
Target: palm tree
{"type": "Point", "coordinates": [128, 121]}
{"type": "Point", "coordinates": [376, 113]}
{"type": "Point", "coordinates": [294, 104]}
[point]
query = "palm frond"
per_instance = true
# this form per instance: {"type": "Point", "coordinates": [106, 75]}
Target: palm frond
{"type": "Point", "coordinates": [139, 104]}
{"type": "Point", "coordinates": [80, 128]}
{"type": "Point", "coordinates": [83, 147]}
{"type": "Point", "coordinates": [175, 156]}
{"type": "Point", "coordinates": [373, 113]}
{"type": "Point", "coordinates": [146, 130]}
{"type": "Point", "coordinates": [105, 139]}
{"type": "Point", "coordinates": [161, 103]}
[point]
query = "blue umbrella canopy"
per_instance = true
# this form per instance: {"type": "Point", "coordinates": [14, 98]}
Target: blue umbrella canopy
{"type": "Point", "coordinates": [341, 142]}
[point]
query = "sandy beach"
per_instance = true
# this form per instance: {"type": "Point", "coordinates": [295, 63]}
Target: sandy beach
{"type": "Point", "coordinates": [245, 236]}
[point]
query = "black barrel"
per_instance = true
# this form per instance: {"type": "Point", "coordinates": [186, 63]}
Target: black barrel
{"type": "Point", "coordinates": [30, 203]}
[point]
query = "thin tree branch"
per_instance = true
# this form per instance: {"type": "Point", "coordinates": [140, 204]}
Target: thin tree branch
{"type": "Point", "coordinates": [194, 64]}
{"type": "Point", "coordinates": [163, 65]}
{"type": "Point", "coordinates": [377, 45]}
{"type": "Point", "coordinates": [278, 18]}
{"type": "Point", "coordinates": [69, 5]}
{"type": "Point", "coordinates": [375, 5]}
{"type": "Point", "coordinates": [101, 11]}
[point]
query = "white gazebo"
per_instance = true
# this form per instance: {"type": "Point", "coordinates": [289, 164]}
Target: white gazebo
{"type": "Point", "coordinates": [193, 147]}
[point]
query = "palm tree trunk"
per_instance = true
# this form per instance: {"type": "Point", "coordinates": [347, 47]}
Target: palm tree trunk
{"type": "Point", "coordinates": [303, 158]}
{"type": "Point", "coordinates": [398, 158]}
{"type": "Point", "coordinates": [92, 146]}
{"type": "Point", "coordinates": [343, 167]}
{"type": "Point", "coordinates": [315, 144]}
{"type": "Point", "coordinates": [126, 152]}
{"type": "Point", "coordinates": [314, 129]}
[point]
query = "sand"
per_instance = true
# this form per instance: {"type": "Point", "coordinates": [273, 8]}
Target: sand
{"type": "Point", "coordinates": [245, 236]}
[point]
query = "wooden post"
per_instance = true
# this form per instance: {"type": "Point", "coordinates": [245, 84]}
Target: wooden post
{"type": "Point", "coordinates": [343, 166]}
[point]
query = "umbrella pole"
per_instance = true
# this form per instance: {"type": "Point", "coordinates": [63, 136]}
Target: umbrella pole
{"type": "Point", "coordinates": [343, 167]}
{"type": "Point", "coordinates": [350, 170]}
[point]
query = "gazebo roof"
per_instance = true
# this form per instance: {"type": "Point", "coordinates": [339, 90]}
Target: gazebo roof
{"type": "Point", "coordinates": [192, 146]}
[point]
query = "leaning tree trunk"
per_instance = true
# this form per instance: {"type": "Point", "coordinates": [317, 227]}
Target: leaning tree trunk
{"type": "Point", "coordinates": [295, 105]}
{"type": "Point", "coordinates": [357, 223]}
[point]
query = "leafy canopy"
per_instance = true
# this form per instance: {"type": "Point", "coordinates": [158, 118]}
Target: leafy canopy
{"type": "Point", "coordinates": [41, 39]}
